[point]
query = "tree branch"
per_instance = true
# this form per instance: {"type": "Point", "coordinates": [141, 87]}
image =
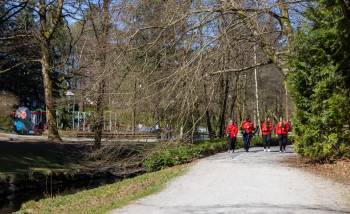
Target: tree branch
{"type": "Point", "coordinates": [241, 69]}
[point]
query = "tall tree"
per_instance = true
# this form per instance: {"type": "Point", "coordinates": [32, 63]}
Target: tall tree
{"type": "Point", "coordinates": [319, 80]}
{"type": "Point", "coordinates": [49, 19]}
{"type": "Point", "coordinates": [101, 27]}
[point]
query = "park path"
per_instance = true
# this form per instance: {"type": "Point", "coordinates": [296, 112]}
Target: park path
{"type": "Point", "coordinates": [254, 182]}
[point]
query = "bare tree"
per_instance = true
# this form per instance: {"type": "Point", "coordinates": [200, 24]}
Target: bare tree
{"type": "Point", "coordinates": [47, 29]}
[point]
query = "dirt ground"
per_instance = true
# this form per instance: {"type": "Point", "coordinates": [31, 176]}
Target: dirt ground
{"type": "Point", "coordinates": [338, 171]}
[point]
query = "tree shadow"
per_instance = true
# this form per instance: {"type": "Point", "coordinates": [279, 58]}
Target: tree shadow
{"type": "Point", "coordinates": [251, 208]}
{"type": "Point", "coordinates": [22, 157]}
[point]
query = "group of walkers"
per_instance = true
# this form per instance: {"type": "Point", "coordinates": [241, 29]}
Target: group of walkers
{"type": "Point", "coordinates": [248, 130]}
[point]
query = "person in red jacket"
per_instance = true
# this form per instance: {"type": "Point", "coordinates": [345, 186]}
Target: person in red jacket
{"type": "Point", "coordinates": [285, 134]}
{"type": "Point", "coordinates": [281, 129]}
{"type": "Point", "coordinates": [247, 128]}
{"type": "Point", "coordinates": [266, 129]}
{"type": "Point", "coordinates": [231, 133]}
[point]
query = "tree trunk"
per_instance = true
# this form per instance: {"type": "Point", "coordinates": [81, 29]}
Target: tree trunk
{"type": "Point", "coordinates": [98, 128]}
{"type": "Point", "coordinates": [288, 32]}
{"type": "Point", "coordinates": [207, 114]}
{"type": "Point", "coordinates": [134, 107]}
{"type": "Point", "coordinates": [345, 5]}
{"type": "Point", "coordinates": [223, 109]}
{"type": "Point", "coordinates": [209, 127]}
{"type": "Point", "coordinates": [102, 45]}
{"type": "Point", "coordinates": [53, 135]}
{"type": "Point", "coordinates": [256, 87]}
{"type": "Point", "coordinates": [234, 97]}
{"type": "Point", "coordinates": [45, 35]}
{"type": "Point", "coordinates": [286, 99]}
{"type": "Point", "coordinates": [244, 103]}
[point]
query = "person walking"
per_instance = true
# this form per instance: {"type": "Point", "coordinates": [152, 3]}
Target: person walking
{"type": "Point", "coordinates": [266, 129]}
{"type": "Point", "coordinates": [231, 133]}
{"type": "Point", "coordinates": [280, 132]}
{"type": "Point", "coordinates": [285, 134]}
{"type": "Point", "coordinates": [247, 128]}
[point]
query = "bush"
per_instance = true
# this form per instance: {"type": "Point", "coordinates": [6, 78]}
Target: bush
{"type": "Point", "coordinates": [183, 153]}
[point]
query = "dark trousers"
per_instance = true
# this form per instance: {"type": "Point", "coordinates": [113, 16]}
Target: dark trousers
{"type": "Point", "coordinates": [282, 139]}
{"type": "Point", "coordinates": [231, 143]}
{"type": "Point", "coordinates": [246, 139]}
{"type": "Point", "coordinates": [267, 141]}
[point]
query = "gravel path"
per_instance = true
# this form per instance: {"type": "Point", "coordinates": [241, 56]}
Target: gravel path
{"type": "Point", "coordinates": [254, 182]}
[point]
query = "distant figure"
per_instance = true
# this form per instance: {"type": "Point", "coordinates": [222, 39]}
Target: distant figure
{"type": "Point", "coordinates": [22, 121]}
{"type": "Point", "coordinates": [285, 134]}
{"type": "Point", "coordinates": [167, 132]}
{"type": "Point", "coordinates": [247, 132]}
{"type": "Point", "coordinates": [266, 129]}
{"type": "Point", "coordinates": [231, 133]}
{"type": "Point", "coordinates": [282, 129]}
{"type": "Point", "coordinates": [157, 127]}
{"type": "Point", "coordinates": [139, 127]}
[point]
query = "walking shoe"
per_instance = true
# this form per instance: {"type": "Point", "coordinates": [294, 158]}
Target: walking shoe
{"type": "Point", "coordinates": [280, 151]}
{"type": "Point", "coordinates": [269, 150]}
{"type": "Point", "coordinates": [264, 150]}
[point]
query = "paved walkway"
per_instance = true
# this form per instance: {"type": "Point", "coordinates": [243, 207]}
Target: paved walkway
{"type": "Point", "coordinates": [254, 182]}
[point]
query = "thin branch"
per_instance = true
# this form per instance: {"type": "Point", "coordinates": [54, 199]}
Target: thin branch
{"type": "Point", "coordinates": [241, 69]}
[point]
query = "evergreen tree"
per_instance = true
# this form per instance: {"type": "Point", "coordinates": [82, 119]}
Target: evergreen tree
{"type": "Point", "coordinates": [320, 83]}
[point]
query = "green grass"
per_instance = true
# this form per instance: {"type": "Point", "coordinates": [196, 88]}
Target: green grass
{"type": "Point", "coordinates": [105, 198]}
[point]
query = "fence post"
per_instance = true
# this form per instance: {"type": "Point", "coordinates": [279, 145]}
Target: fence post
{"type": "Point", "coordinates": [78, 127]}
{"type": "Point", "coordinates": [84, 117]}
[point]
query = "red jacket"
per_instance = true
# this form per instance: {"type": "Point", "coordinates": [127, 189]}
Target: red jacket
{"type": "Point", "coordinates": [286, 128]}
{"type": "Point", "coordinates": [248, 127]}
{"type": "Point", "coordinates": [266, 128]}
{"type": "Point", "coordinates": [282, 128]}
{"type": "Point", "coordinates": [232, 130]}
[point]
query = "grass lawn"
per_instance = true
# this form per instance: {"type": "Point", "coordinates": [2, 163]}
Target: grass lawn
{"type": "Point", "coordinates": [105, 198]}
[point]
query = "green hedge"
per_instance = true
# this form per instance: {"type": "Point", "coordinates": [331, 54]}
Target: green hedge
{"type": "Point", "coordinates": [185, 153]}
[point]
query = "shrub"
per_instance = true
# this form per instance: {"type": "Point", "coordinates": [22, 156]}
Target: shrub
{"type": "Point", "coordinates": [183, 153]}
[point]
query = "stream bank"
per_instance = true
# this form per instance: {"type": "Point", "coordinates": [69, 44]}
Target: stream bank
{"type": "Point", "coordinates": [16, 192]}
{"type": "Point", "coordinates": [32, 171]}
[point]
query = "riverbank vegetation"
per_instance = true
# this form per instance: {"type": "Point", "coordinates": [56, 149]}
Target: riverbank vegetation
{"type": "Point", "coordinates": [52, 168]}
{"type": "Point", "coordinates": [105, 198]}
